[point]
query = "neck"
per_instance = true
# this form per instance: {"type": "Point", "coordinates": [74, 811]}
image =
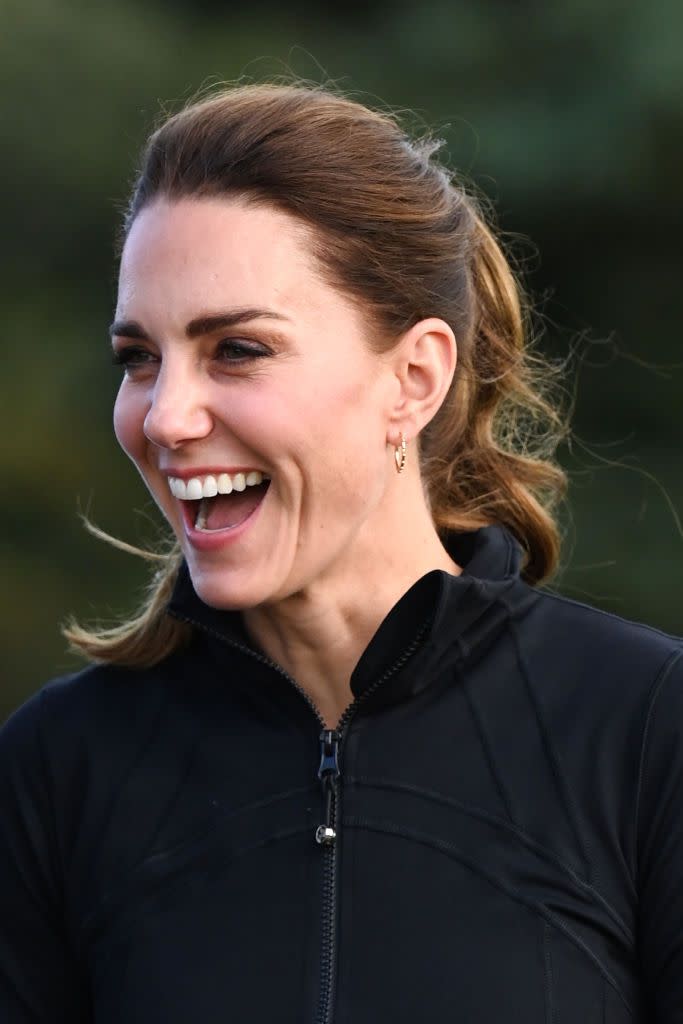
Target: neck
{"type": "Point", "coordinates": [319, 633]}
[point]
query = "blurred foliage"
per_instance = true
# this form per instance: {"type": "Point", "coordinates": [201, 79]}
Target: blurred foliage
{"type": "Point", "coordinates": [568, 116]}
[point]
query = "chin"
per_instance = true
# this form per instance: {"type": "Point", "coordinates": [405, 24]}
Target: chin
{"type": "Point", "coordinates": [227, 590]}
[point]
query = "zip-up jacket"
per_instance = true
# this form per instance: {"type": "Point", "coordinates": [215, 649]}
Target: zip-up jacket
{"type": "Point", "coordinates": [493, 832]}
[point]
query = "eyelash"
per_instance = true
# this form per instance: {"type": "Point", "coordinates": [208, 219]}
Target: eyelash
{"type": "Point", "coordinates": [133, 356]}
{"type": "Point", "coordinates": [130, 356]}
{"type": "Point", "coordinates": [246, 349]}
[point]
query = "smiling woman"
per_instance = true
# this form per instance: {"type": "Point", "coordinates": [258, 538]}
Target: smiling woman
{"type": "Point", "coordinates": [269, 389]}
{"type": "Point", "coordinates": [349, 746]}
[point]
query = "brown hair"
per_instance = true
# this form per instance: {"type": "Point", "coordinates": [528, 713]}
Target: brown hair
{"type": "Point", "coordinates": [393, 229]}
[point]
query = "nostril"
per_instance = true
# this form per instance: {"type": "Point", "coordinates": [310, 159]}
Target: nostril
{"type": "Point", "coordinates": [153, 428]}
{"type": "Point", "coordinates": [175, 424]}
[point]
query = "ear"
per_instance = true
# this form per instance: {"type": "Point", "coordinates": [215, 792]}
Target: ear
{"type": "Point", "coordinates": [423, 363]}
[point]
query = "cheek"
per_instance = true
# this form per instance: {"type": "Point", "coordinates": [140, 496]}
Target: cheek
{"type": "Point", "coordinates": [330, 425]}
{"type": "Point", "coordinates": [343, 441]}
{"type": "Point", "coordinates": [129, 418]}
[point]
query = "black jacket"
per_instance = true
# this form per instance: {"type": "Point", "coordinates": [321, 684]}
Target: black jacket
{"type": "Point", "coordinates": [496, 834]}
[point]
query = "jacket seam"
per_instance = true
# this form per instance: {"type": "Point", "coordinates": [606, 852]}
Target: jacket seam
{"type": "Point", "coordinates": [449, 850]}
{"type": "Point", "coordinates": [524, 837]}
{"type": "Point", "coordinates": [93, 923]}
{"type": "Point", "coordinates": [642, 626]}
{"type": "Point", "coordinates": [136, 755]}
{"type": "Point", "coordinates": [488, 752]}
{"type": "Point", "coordinates": [551, 753]}
{"type": "Point", "coordinates": [510, 552]}
{"type": "Point", "coordinates": [197, 836]}
{"type": "Point", "coordinates": [665, 673]}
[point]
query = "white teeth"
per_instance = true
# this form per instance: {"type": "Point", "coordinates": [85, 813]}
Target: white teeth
{"type": "Point", "coordinates": [194, 489]}
{"type": "Point", "coordinates": [209, 486]}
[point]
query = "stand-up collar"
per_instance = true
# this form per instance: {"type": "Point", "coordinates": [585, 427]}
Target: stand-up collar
{"type": "Point", "coordinates": [441, 619]}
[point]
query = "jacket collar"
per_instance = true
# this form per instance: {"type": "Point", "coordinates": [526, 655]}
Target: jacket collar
{"type": "Point", "coordinates": [441, 620]}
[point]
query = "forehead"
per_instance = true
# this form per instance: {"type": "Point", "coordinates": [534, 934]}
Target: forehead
{"type": "Point", "coordinates": [206, 251]}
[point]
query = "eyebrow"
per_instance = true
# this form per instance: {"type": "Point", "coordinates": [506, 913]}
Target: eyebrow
{"type": "Point", "coordinates": [202, 325]}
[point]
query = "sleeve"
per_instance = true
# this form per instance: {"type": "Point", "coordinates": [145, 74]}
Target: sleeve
{"type": "Point", "coordinates": [659, 847]}
{"type": "Point", "coordinates": [40, 980]}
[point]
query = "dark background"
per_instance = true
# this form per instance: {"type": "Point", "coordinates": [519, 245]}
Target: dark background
{"type": "Point", "coordinates": [569, 116]}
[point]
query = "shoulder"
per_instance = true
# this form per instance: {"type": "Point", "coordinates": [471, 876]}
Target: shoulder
{"type": "Point", "coordinates": [604, 645]}
{"type": "Point", "coordinates": [88, 708]}
{"type": "Point", "coordinates": [594, 676]}
{"type": "Point", "coordinates": [606, 694]}
{"type": "Point", "coordinates": [598, 620]}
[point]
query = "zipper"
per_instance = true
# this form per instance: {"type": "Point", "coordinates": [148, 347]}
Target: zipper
{"type": "Point", "coordinates": [327, 833]}
{"type": "Point", "coordinates": [329, 774]}
{"type": "Point", "coordinates": [326, 837]}
{"type": "Point", "coordinates": [252, 654]}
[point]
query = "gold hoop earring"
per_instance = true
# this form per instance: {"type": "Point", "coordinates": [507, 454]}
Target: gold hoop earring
{"type": "Point", "coordinates": [400, 454]}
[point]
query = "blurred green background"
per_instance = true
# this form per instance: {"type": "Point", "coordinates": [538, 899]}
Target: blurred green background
{"type": "Point", "coordinates": [569, 116]}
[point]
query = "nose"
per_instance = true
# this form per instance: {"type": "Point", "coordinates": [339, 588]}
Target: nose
{"type": "Point", "coordinates": [178, 412]}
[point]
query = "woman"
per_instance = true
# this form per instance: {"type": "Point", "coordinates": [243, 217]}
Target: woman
{"type": "Point", "coordinates": [349, 763]}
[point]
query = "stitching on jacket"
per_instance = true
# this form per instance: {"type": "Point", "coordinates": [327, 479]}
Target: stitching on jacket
{"type": "Point", "coordinates": [662, 677]}
{"type": "Point", "coordinates": [452, 851]}
{"type": "Point", "coordinates": [510, 552]}
{"type": "Point", "coordinates": [198, 836]}
{"type": "Point", "coordinates": [93, 923]}
{"type": "Point", "coordinates": [488, 751]}
{"type": "Point", "coordinates": [127, 770]}
{"type": "Point", "coordinates": [551, 595]}
{"type": "Point", "coordinates": [551, 753]}
{"type": "Point", "coordinates": [524, 837]}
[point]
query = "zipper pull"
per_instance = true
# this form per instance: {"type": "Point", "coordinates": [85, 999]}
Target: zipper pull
{"type": "Point", "coordinates": [328, 773]}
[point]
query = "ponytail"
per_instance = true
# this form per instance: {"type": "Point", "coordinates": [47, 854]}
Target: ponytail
{"type": "Point", "coordinates": [488, 454]}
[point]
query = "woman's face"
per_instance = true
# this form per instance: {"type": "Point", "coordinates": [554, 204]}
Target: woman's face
{"type": "Point", "coordinates": [240, 362]}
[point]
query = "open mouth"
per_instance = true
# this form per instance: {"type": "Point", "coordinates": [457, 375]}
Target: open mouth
{"type": "Point", "coordinates": [210, 510]}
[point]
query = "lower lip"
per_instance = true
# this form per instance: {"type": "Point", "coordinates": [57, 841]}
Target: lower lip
{"type": "Point", "coordinates": [215, 540]}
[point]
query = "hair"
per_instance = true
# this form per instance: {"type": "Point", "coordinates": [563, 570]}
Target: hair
{"type": "Point", "coordinates": [395, 230]}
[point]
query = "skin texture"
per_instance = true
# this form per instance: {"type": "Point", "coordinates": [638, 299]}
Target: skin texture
{"type": "Point", "coordinates": [339, 536]}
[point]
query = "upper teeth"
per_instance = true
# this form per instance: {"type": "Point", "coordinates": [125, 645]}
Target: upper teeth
{"type": "Point", "coordinates": [208, 486]}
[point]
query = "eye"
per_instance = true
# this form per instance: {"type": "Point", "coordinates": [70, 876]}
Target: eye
{"type": "Point", "coordinates": [132, 356]}
{"type": "Point", "coordinates": [239, 350]}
